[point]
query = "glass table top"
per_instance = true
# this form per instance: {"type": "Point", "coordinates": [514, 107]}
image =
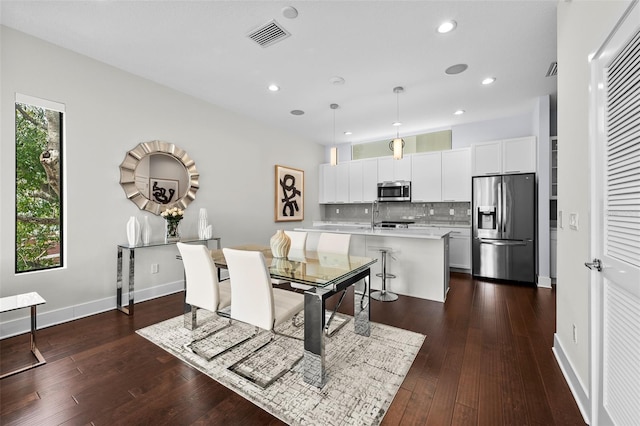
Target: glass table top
{"type": "Point", "coordinates": [168, 243]}
{"type": "Point", "coordinates": [306, 267]}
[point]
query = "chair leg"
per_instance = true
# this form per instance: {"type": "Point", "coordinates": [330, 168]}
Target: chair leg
{"type": "Point", "coordinates": [190, 318]}
{"type": "Point", "coordinates": [262, 382]}
{"type": "Point", "coordinates": [190, 348]}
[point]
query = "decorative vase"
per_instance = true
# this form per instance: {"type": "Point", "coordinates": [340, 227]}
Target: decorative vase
{"type": "Point", "coordinates": [172, 233]}
{"type": "Point", "coordinates": [280, 243]}
{"type": "Point", "coordinates": [133, 231]}
{"type": "Point", "coordinates": [203, 224]}
{"type": "Point", "coordinates": [145, 232]}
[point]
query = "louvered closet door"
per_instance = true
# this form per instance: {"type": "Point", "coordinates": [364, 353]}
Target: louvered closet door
{"type": "Point", "coordinates": [616, 288]}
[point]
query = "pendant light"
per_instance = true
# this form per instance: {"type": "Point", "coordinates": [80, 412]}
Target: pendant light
{"type": "Point", "coordinates": [334, 148]}
{"type": "Point", "coordinates": [397, 144]}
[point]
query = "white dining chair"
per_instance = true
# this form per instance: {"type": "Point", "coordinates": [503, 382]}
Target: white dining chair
{"type": "Point", "coordinates": [298, 244]}
{"type": "Point", "coordinates": [203, 290]}
{"type": "Point", "coordinates": [254, 301]}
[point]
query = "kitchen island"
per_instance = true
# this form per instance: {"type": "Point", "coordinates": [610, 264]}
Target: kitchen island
{"type": "Point", "coordinates": [419, 257]}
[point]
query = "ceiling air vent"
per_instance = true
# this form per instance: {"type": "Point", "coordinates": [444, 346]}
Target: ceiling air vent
{"type": "Point", "coordinates": [553, 69]}
{"type": "Point", "coordinates": [268, 34]}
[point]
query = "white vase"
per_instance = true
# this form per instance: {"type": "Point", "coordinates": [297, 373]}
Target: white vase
{"type": "Point", "coordinates": [133, 231]}
{"type": "Point", "coordinates": [145, 232]}
{"type": "Point", "coordinates": [280, 243]}
{"type": "Point", "coordinates": [202, 224]}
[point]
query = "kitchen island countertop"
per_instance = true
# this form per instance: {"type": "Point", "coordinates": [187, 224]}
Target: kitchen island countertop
{"type": "Point", "coordinates": [431, 233]}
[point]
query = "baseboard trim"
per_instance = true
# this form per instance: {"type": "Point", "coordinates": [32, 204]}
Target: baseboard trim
{"type": "Point", "coordinates": [580, 394]}
{"type": "Point", "coordinates": [47, 319]}
{"type": "Point", "coordinates": [544, 282]}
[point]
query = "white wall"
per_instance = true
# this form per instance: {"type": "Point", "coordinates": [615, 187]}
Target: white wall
{"type": "Point", "coordinates": [109, 112]}
{"type": "Point", "coordinates": [582, 28]}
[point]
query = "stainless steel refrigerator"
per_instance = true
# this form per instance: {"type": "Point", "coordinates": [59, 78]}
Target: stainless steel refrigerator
{"type": "Point", "coordinates": [504, 227]}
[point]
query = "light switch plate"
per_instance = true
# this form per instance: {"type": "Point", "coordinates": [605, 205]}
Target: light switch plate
{"type": "Point", "coordinates": [573, 221]}
{"type": "Point", "coordinates": [431, 212]}
{"type": "Point", "coordinates": [560, 219]}
{"type": "Point", "coordinates": [452, 212]}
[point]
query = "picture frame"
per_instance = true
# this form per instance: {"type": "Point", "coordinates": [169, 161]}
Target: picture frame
{"type": "Point", "coordinates": [289, 194]}
{"type": "Point", "coordinates": [164, 191]}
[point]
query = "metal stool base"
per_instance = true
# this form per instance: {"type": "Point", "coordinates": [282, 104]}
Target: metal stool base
{"type": "Point", "coordinates": [384, 296]}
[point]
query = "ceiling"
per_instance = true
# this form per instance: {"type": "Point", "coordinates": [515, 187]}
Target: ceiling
{"type": "Point", "coordinates": [201, 48]}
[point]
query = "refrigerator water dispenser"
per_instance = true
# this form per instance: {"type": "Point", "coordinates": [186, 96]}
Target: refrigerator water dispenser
{"type": "Point", "coordinates": [487, 217]}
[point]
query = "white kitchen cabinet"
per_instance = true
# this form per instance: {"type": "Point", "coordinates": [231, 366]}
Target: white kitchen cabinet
{"type": "Point", "coordinates": [519, 155]}
{"type": "Point", "coordinates": [426, 177]}
{"type": "Point", "coordinates": [456, 175]}
{"type": "Point", "coordinates": [390, 170]}
{"type": "Point", "coordinates": [553, 252]}
{"type": "Point", "coordinates": [363, 180]}
{"type": "Point", "coordinates": [342, 182]}
{"type": "Point", "coordinates": [459, 247]}
{"type": "Point", "coordinates": [369, 180]}
{"type": "Point", "coordinates": [504, 156]}
{"type": "Point", "coordinates": [327, 190]}
{"type": "Point", "coordinates": [487, 158]}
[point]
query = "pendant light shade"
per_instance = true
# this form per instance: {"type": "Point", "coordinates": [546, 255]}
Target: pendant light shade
{"type": "Point", "coordinates": [397, 144]}
{"type": "Point", "coordinates": [334, 148]}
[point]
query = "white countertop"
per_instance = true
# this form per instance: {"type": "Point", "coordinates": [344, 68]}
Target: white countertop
{"type": "Point", "coordinates": [431, 233]}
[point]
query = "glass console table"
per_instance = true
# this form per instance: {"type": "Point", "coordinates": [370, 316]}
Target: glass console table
{"type": "Point", "coordinates": [132, 264]}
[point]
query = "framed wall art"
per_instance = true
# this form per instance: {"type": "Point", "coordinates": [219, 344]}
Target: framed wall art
{"type": "Point", "coordinates": [289, 190]}
{"type": "Point", "coordinates": [164, 191]}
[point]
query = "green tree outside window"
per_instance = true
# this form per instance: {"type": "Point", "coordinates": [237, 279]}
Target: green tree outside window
{"type": "Point", "coordinates": [38, 188]}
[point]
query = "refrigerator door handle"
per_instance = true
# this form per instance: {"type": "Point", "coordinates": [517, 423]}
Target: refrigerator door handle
{"type": "Point", "coordinates": [505, 242]}
{"type": "Point", "coordinates": [500, 207]}
{"type": "Point", "coordinates": [504, 209]}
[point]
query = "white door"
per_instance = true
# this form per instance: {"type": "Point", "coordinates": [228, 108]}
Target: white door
{"type": "Point", "coordinates": [615, 226]}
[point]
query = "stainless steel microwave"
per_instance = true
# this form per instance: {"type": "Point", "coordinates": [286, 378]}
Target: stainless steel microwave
{"type": "Point", "coordinates": [394, 191]}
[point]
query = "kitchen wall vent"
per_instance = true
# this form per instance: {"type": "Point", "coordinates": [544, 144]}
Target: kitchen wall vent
{"type": "Point", "coordinates": [268, 34]}
{"type": "Point", "coordinates": [553, 69]}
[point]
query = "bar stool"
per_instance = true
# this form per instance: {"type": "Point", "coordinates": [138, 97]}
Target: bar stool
{"type": "Point", "coordinates": [384, 295]}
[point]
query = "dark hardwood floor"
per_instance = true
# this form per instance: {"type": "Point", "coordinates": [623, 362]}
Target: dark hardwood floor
{"type": "Point", "coordinates": [487, 360]}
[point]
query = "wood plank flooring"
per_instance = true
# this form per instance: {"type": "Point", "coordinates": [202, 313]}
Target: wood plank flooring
{"type": "Point", "coordinates": [487, 360]}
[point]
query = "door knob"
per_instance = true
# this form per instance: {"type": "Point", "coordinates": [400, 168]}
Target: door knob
{"type": "Point", "coordinates": [595, 264]}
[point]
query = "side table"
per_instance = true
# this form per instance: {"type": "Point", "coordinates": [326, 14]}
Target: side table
{"type": "Point", "coordinates": [19, 301]}
{"type": "Point", "coordinates": [132, 264]}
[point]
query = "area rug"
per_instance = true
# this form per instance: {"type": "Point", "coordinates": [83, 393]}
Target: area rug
{"type": "Point", "coordinates": [363, 373]}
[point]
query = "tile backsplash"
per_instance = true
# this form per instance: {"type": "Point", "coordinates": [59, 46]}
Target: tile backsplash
{"type": "Point", "coordinates": [421, 213]}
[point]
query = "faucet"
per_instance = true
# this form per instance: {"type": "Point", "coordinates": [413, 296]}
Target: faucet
{"type": "Point", "coordinates": [374, 210]}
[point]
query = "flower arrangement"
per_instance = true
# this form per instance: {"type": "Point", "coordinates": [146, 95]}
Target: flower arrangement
{"type": "Point", "coordinates": [173, 216]}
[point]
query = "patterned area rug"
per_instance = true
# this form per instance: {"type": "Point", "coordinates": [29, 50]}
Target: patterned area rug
{"type": "Point", "coordinates": [363, 373]}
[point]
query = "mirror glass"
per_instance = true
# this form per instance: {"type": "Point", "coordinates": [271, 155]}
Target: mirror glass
{"type": "Point", "coordinates": [158, 175]}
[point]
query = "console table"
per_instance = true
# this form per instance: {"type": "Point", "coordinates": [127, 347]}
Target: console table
{"type": "Point", "coordinates": [19, 301]}
{"type": "Point", "coordinates": [132, 249]}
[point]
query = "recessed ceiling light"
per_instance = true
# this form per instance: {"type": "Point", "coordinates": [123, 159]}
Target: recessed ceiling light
{"type": "Point", "coordinates": [348, 133]}
{"type": "Point", "coordinates": [274, 87]}
{"type": "Point", "coordinates": [447, 26]}
{"type": "Point", "coordinates": [488, 80]}
{"type": "Point", "coordinates": [297, 112]}
{"type": "Point", "coordinates": [289, 12]}
{"type": "Point", "coordinates": [459, 112]}
{"type": "Point", "coordinates": [397, 123]}
{"type": "Point", "coordinates": [456, 69]}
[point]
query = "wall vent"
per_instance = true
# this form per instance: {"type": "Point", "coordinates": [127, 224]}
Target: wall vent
{"type": "Point", "coordinates": [553, 69]}
{"type": "Point", "coordinates": [268, 34]}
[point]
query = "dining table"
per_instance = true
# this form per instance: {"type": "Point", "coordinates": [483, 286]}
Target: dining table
{"type": "Point", "coordinates": [324, 275]}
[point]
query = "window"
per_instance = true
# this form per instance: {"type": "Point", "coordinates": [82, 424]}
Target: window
{"type": "Point", "coordinates": [39, 185]}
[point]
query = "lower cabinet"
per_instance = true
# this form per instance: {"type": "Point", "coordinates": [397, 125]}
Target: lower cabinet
{"type": "Point", "coordinates": [459, 247]}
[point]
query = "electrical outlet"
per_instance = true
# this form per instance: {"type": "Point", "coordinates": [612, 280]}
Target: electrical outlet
{"type": "Point", "coordinates": [366, 211]}
{"type": "Point", "coordinates": [431, 212]}
{"type": "Point", "coordinates": [154, 268]}
{"type": "Point", "coordinates": [452, 212]}
{"type": "Point", "coordinates": [337, 211]}
{"type": "Point", "coordinates": [468, 212]}
{"type": "Point", "coordinates": [574, 335]}
{"type": "Point", "coordinates": [560, 219]}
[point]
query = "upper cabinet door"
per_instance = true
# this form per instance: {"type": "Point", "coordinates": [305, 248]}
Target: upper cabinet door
{"type": "Point", "coordinates": [426, 177]}
{"type": "Point", "coordinates": [342, 182]}
{"type": "Point", "coordinates": [456, 175]}
{"type": "Point", "coordinates": [390, 170]}
{"type": "Point", "coordinates": [327, 189]}
{"type": "Point", "coordinates": [369, 180]}
{"type": "Point", "coordinates": [519, 155]}
{"type": "Point", "coordinates": [385, 169]}
{"type": "Point", "coordinates": [355, 181]}
{"type": "Point", "coordinates": [487, 158]}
